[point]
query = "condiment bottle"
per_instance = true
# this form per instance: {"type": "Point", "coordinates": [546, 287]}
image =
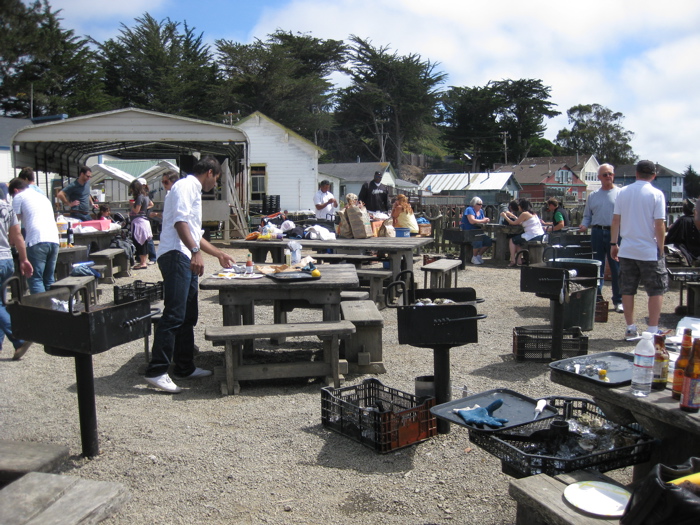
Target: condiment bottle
{"type": "Point", "coordinates": [249, 264]}
{"type": "Point", "coordinates": [690, 394]}
{"type": "Point", "coordinates": [660, 363]}
{"type": "Point", "coordinates": [71, 238]}
{"type": "Point", "coordinates": [682, 362]}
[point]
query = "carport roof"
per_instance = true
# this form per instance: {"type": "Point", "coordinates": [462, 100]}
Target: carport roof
{"type": "Point", "coordinates": [62, 146]}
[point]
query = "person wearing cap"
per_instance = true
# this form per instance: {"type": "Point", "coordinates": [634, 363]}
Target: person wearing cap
{"type": "Point", "coordinates": [637, 240]}
{"type": "Point", "coordinates": [598, 215]}
{"type": "Point", "coordinates": [77, 196]}
{"type": "Point", "coordinates": [325, 202]}
{"type": "Point", "coordinates": [374, 194]}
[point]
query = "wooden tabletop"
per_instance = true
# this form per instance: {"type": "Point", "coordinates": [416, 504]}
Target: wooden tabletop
{"type": "Point", "coordinates": [373, 243]}
{"type": "Point", "coordinates": [333, 277]}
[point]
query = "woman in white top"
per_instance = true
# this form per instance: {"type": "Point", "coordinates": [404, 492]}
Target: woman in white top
{"type": "Point", "coordinates": [530, 223]}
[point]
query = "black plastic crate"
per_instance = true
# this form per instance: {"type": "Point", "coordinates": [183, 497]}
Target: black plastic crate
{"type": "Point", "coordinates": [138, 290]}
{"type": "Point", "coordinates": [379, 417]}
{"type": "Point", "coordinates": [535, 344]}
{"type": "Point", "coordinates": [630, 445]}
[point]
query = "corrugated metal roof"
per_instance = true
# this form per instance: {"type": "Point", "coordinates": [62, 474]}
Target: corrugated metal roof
{"type": "Point", "coordinates": [439, 182]}
{"type": "Point", "coordinates": [103, 171]}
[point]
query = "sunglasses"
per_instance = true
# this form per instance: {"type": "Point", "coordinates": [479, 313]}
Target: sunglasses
{"type": "Point", "coordinates": [607, 174]}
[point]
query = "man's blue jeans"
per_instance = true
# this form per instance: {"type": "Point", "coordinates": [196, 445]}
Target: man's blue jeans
{"type": "Point", "coordinates": [83, 216]}
{"type": "Point", "coordinates": [7, 268]}
{"type": "Point", "coordinates": [600, 244]}
{"type": "Point", "coordinates": [173, 341]}
{"type": "Point", "coordinates": [43, 257]}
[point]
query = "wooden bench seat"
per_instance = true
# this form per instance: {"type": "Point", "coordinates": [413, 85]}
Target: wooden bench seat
{"type": "Point", "coordinates": [75, 283]}
{"type": "Point", "coordinates": [535, 252]}
{"type": "Point", "coordinates": [338, 258]}
{"type": "Point", "coordinates": [376, 280]}
{"type": "Point", "coordinates": [441, 273]}
{"type": "Point", "coordinates": [354, 296]}
{"type": "Point", "coordinates": [541, 500]}
{"type": "Point", "coordinates": [17, 458]}
{"type": "Point", "coordinates": [331, 367]}
{"type": "Point", "coordinates": [116, 264]}
{"type": "Point", "coordinates": [59, 500]}
{"type": "Point", "coordinates": [363, 349]}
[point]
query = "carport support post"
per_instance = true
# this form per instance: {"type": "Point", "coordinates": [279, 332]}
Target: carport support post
{"type": "Point", "coordinates": [86, 404]}
{"type": "Point", "coordinates": [441, 373]}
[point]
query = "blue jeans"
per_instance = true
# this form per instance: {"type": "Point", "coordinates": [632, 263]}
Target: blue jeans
{"type": "Point", "coordinates": [173, 341]}
{"type": "Point", "coordinates": [7, 268]}
{"type": "Point", "coordinates": [43, 257]}
{"type": "Point", "coordinates": [83, 216]}
{"type": "Point", "coordinates": [600, 244]}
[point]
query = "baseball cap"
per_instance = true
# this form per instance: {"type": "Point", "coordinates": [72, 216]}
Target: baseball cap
{"type": "Point", "coordinates": [646, 167]}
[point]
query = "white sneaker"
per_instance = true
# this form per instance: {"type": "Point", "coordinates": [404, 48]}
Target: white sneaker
{"type": "Point", "coordinates": [198, 372]}
{"type": "Point", "coordinates": [164, 383]}
{"type": "Point", "coordinates": [619, 309]}
{"type": "Point", "coordinates": [475, 260]}
{"type": "Point", "coordinates": [481, 260]}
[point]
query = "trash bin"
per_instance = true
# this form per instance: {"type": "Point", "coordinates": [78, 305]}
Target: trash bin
{"type": "Point", "coordinates": [580, 310]}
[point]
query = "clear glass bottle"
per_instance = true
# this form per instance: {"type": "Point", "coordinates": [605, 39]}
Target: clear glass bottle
{"type": "Point", "coordinates": [249, 263]}
{"type": "Point", "coordinates": [643, 370]}
{"type": "Point", "coordinates": [660, 363]}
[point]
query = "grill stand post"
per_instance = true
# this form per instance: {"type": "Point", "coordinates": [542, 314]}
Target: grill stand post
{"type": "Point", "coordinates": [441, 373]}
{"type": "Point", "coordinates": [557, 333]}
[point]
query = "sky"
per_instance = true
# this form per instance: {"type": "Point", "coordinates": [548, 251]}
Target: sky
{"type": "Point", "coordinates": [631, 56]}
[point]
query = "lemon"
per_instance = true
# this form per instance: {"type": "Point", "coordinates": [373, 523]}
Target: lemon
{"type": "Point", "coordinates": [316, 273]}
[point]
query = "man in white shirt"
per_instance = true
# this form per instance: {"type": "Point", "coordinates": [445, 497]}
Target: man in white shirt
{"type": "Point", "coordinates": [325, 202]}
{"type": "Point", "coordinates": [639, 223]}
{"type": "Point", "coordinates": [28, 175]}
{"type": "Point", "coordinates": [181, 264]}
{"type": "Point", "coordinates": [41, 234]}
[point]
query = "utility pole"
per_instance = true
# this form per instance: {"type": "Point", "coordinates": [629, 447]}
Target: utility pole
{"type": "Point", "coordinates": [505, 147]}
{"type": "Point", "coordinates": [382, 140]}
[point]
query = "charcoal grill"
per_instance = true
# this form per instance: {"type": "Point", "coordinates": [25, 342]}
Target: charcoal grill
{"type": "Point", "coordinates": [463, 238]}
{"type": "Point", "coordinates": [80, 332]}
{"type": "Point", "coordinates": [575, 251]}
{"type": "Point", "coordinates": [439, 327]}
{"type": "Point", "coordinates": [554, 281]}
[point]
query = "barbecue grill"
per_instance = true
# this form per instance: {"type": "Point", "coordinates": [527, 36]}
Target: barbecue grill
{"type": "Point", "coordinates": [437, 326]}
{"type": "Point", "coordinates": [79, 332]}
{"type": "Point", "coordinates": [571, 251]}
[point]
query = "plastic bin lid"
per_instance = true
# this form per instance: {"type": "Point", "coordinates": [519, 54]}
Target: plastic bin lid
{"type": "Point", "coordinates": [577, 261]}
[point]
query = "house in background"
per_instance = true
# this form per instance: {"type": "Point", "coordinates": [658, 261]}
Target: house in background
{"type": "Point", "coordinates": [492, 187]}
{"type": "Point", "coordinates": [569, 178]}
{"type": "Point", "coordinates": [8, 128]}
{"type": "Point", "coordinates": [352, 175]}
{"type": "Point", "coordinates": [281, 162]}
{"type": "Point", "coordinates": [668, 181]}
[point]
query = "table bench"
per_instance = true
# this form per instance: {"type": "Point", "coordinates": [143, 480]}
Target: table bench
{"type": "Point", "coordinates": [376, 280]}
{"type": "Point", "coordinates": [363, 349]}
{"type": "Point", "coordinates": [534, 249]}
{"type": "Point", "coordinates": [441, 272]}
{"type": "Point", "coordinates": [67, 257]}
{"type": "Point", "coordinates": [115, 261]}
{"type": "Point", "coordinates": [60, 500]}
{"type": "Point", "coordinates": [541, 500]}
{"type": "Point", "coordinates": [18, 458]}
{"type": "Point", "coordinates": [335, 258]}
{"type": "Point", "coordinates": [75, 283]}
{"type": "Point", "coordinates": [332, 367]}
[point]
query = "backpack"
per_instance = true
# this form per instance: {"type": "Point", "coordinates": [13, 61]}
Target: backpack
{"type": "Point", "coordinates": [126, 245]}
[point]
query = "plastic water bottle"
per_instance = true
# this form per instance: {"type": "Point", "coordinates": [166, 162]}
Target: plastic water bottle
{"type": "Point", "coordinates": [643, 370]}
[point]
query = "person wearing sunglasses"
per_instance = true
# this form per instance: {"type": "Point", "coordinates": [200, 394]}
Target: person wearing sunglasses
{"type": "Point", "coordinates": [472, 219]}
{"type": "Point", "coordinates": [598, 215]}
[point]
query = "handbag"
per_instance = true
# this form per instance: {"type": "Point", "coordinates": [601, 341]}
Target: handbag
{"type": "Point", "coordinates": [655, 501]}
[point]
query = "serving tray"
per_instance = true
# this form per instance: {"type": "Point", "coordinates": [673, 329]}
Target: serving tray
{"type": "Point", "coordinates": [618, 366]}
{"type": "Point", "coordinates": [292, 276]}
{"type": "Point", "coordinates": [517, 408]}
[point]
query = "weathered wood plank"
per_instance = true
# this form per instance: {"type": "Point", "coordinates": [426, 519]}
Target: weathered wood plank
{"type": "Point", "coordinates": [50, 499]}
{"type": "Point", "coordinates": [19, 457]}
{"type": "Point", "coordinates": [257, 331]}
{"type": "Point", "coordinates": [361, 313]}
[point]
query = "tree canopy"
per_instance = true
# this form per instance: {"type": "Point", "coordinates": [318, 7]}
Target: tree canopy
{"type": "Point", "coordinates": [691, 182]}
{"type": "Point", "coordinates": [597, 130]}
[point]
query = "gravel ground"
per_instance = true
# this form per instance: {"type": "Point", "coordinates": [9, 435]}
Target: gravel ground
{"type": "Point", "coordinates": [263, 456]}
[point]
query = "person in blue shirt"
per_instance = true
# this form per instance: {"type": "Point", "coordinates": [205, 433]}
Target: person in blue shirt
{"type": "Point", "coordinates": [472, 219]}
{"type": "Point", "coordinates": [77, 196]}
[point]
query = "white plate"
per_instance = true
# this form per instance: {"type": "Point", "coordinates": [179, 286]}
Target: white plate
{"type": "Point", "coordinates": [598, 498]}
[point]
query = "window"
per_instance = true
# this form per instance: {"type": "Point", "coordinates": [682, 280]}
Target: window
{"type": "Point", "coordinates": [258, 187]}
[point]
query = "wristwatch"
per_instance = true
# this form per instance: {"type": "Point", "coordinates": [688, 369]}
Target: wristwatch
{"type": "Point", "coordinates": [613, 244]}
{"type": "Point", "coordinates": [194, 250]}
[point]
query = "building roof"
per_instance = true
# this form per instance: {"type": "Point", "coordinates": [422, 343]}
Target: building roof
{"type": "Point", "coordinates": [354, 171]}
{"type": "Point", "coordinates": [405, 184]}
{"type": "Point", "coordinates": [244, 120]}
{"type": "Point", "coordinates": [438, 182]}
{"type": "Point", "coordinates": [630, 171]}
{"type": "Point", "coordinates": [534, 170]}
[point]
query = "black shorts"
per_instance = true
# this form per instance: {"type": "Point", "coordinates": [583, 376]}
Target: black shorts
{"type": "Point", "coordinates": [652, 274]}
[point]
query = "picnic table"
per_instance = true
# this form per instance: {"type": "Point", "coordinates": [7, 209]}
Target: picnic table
{"type": "Point", "coordinates": [238, 297]}
{"type": "Point", "coordinates": [399, 249]}
{"type": "Point", "coordinates": [501, 250]}
{"type": "Point", "coordinates": [658, 414]}
{"type": "Point", "coordinates": [95, 241]}
{"type": "Point", "coordinates": [67, 257]}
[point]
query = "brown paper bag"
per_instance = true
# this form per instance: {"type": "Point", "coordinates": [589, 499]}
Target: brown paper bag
{"type": "Point", "coordinates": [344, 229]}
{"type": "Point", "coordinates": [359, 222]}
{"type": "Point", "coordinates": [387, 229]}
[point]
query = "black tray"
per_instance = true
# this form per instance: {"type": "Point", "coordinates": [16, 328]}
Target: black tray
{"type": "Point", "coordinates": [292, 276]}
{"type": "Point", "coordinates": [619, 369]}
{"type": "Point", "coordinates": [517, 409]}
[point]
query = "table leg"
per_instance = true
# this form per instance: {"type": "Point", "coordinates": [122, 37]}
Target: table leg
{"type": "Point", "coordinates": [279, 316]}
{"type": "Point", "coordinates": [87, 413]}
{"type": "Point", "coordinates": [441, 376]}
